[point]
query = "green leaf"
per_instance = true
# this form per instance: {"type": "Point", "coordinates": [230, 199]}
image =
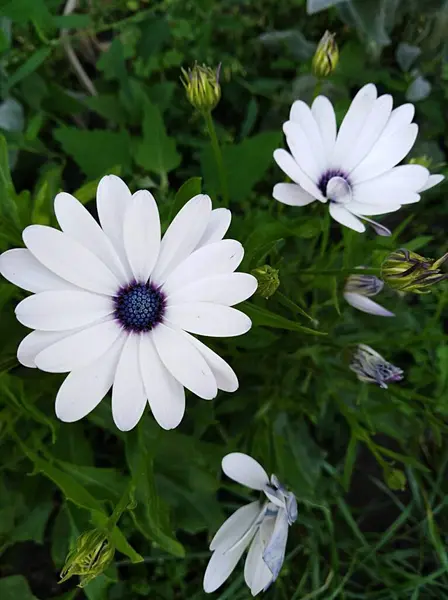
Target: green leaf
{"type": "Point", "coordinates": [151, 514]}
{"type": "Point", "coordinates": [191, 187]}
{"type": "Point", "coordinates": [21, 11]}
{"type": "Point", "coordinates": [96, 151]}
{"type": "Point", "coordinates": [245, 164]}
{"type": "Point", "coordinates": [118, 539]}
{"type": "Point", "coordinates": [34, 524]}
{"type": "Point", "coordinates": [266, 318]}
{"type": "Point", "coordinates": [15, 588]}
{"type": "Point", "coordinates": [157, 151]}
{"type": "Point", "coordinates": [28, 67]}
{"type": "Point", "coordinates": [71, 21]}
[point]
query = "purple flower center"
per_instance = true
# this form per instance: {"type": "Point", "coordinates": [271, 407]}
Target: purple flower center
{"type": "Point", "coordinates": [139, 307]}
{"type": "Point", "coordinates": [325, 178]}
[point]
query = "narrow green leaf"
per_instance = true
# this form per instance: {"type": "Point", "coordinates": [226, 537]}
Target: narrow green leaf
{"type": "Point", "coordinates": [15, 588]}
{"type": "Point", "coordinates": [266, 318]}
{"type": "Point", "coordinates": [28, 67]}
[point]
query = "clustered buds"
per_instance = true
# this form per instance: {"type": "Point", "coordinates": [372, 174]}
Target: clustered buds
{"type": "Point", "coordinates": [407, 271]}
{"type": "Point", "coordinates": [268, 280]}
{"type": "Point", "coordinates": [201, 84]}
{"type": "Point", "coordinates": [91, 555]}
{"type": "Point", "coordinates": [326, 57]}
{"type": "Point", "coordinates": [371, 367]}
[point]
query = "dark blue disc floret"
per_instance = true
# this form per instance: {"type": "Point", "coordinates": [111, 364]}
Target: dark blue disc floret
{"type": "Point", "coordinates": [139, 307]}
{"type": "Point", "coordinates": [325, 178]}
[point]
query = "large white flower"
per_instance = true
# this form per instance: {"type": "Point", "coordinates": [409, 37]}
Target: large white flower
{"type": "Point", "coordinates": [112, 305]}
{"type": "Point", "coordinates": [262, 525]}
{"type": "Point", "coordinates": [353, 168]}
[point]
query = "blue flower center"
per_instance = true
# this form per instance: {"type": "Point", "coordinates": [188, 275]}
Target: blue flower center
{"type": "Point", "coordinates": [139, 307]}
{"type": "Point", "coordinates": [325, 178]}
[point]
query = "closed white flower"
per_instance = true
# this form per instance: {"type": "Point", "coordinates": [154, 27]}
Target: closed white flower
{"type": "Point", "coordinates": [261, 525]}
{"type": "Point", "coordinates": [357, 292]}
{"type": "Point", "coordinates": [354, 169]}
{"type": "Point", "coordinates": [112, 305]}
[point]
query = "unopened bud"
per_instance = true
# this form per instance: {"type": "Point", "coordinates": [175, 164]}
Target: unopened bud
{"type": "Point", "coordinates": [91, 555]}
{"type": "Point", "coordinates": [326, 57]}
{"type": "Point", "coordinates": [407, 271]}
{"type": "Point", "coordinates": [201, 84]}
{"type": "Point", "coordinates": [268, 280]}
{"type": "Point", "coordinates": [395, 479]}
{"type": "Point", "coordinates": [371, 367]}
{"type": "Point", "coordinates": [424, 161]}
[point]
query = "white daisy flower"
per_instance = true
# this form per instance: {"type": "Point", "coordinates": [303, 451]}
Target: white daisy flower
{"type": "Point", "coordinates": [262, 525]}
{"type": "Point", "coordinates": [357, 292]}
{"type": "Point", "coordinates": [354, 169]}
{"type": "Point", "coordinates": [112, 305]}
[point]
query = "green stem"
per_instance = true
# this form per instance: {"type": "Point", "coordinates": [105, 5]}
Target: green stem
{"type": "Point", "coordinates": [343, 272]}
{"type": "Point", "coordinates": [218, 157]}
{"type": "Point", "coordinates": [119, 508]}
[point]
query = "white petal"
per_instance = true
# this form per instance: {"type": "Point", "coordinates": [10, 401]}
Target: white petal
{"type": "Point", "coordinates": [399, 185]}
{"type": "Point", "coordinates": [78, 349]}
{"type": "Point", "coordinates": [128, 393]}
{"type": "Point", "coordinates": [226, 379]}
{"type": "Point", "coordinates": [344, 217]}
{"type": "Point", "coordinates": [35, 342]}
{"type": "Point", "coordinates": [78, 223]}
{"type": "Point", "coordinates": [366, 305]}
{"type": "Point", "coordinates": [387, 152]}
{"type": "Point", "coordinates": [142, 234]}
{"type": "Point", "coordinates": [256, 574]}
{"type": "Point", "coordinates": [274, 544]}
{"type": "Point", "coordinates": [182, 236]}
{"type": "Point", "coordinates": [431, 182]}
{"type": "Point", "coordinates": [222, 289]}
{"type": "Point", "coordinates": [410, 198]}
{"type": "Point", "coordinates": [292, 194]}
{"type": "Point", "coordinates": [217, 226]}
{"type": "Point", "coordinates": [289, 166]}
{"type": "Point", "coordinates": [236, 527]}
{"type": "Point", "coordinates": [56, 311]}
{"type": "Point", "coordinates": [67, 258]}
{"type": "Point", "coordinates": [112, 199]}
{"type": "Point", "coordinates": [221, 566]}
{"type": "Point", "coordinates": [371, 131]}
{"type": "Point", "coordinates": [379, 229]}
{"type": "Point", "coordinates": [208, 261]}
{"type": "Point", "coordinates": [205, 318]}
{"type": "Point", "coordinates": [339, 190]}
{"type": "Point", "coordinates": [323, 112]}
{"type": "Point", "coordinates": [362, 208]}
{"type": "Point", "coordinates": [244, 469]}
{"type": "Point", "coordinates": [353, 123]}
{"type": "Point", "coordinates": [21, 268]}
{"type": "Point", "coordinates": [166, 396]}
{"type": "Point", "coordinates": [184, 362]}
{"type": "Point", "coordinates": [84, 388]}
{"type": "Point", "coordinates": [302, 150]}
{"type": "Point", "coordinates": [301, 114]}
{"type": "Point", "coordinates": [399, 117]}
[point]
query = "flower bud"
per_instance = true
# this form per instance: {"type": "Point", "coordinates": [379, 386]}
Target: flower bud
{"type": "Point", "coordinates": [91, 555]}
{"type": "Point", "coordinates": [395, 479]}
{"type": "Point", "coordinates": [268, 280]}
{"type": "Point", "coordinates": [371, 367]}
{"type": "Point", "coordinates": [326, 57]}
{"type": "Point", "coordinates": [201, 84]}
{"type": "Point", "coordinates": [357, 290]}
{"type": "Point", "coordinates": [424, 161]}
{"type": "Point", "coordinates": [407, 271]}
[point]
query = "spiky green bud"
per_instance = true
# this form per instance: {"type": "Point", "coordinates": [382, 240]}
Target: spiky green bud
{"type": "Point", "coordinates": [407, 271]}
{"type": "Point", "coordinates": [91, 555]}
{"type": "Point", "coordinates": [326, 57]}
{"type": "Point", "coordinates": [395, 479]}
{"type": "Point", "coordinates": [268, 280]}
{"type": "Point", "coordinates": [201, 84]}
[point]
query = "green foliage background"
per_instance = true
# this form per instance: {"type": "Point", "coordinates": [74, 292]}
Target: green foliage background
{"type": "Point", "coordinates": [299, 410]}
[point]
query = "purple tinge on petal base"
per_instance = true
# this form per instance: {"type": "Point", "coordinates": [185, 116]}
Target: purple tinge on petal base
{"type": "Point", "coordinates": [274, 553]}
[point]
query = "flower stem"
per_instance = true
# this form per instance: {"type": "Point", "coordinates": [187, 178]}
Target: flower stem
{"type": "Point", "coordinates": [119, 508]}
{"type": "Point", "coordinates": [218, 157]}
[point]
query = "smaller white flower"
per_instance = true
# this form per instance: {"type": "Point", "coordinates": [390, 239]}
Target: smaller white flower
{"type": "Point", "coordinates": [357, 290]}
{"type": "Point", "coordinates": [261, 525]}
{"type": "Point", "coordinates": [371, 367]}
{"type": "Point", "coordinates": [352, 168]}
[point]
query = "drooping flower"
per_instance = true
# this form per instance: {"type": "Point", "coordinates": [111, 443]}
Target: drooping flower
{"type": "Point", "coordinates": [371, 367]}
{"type": "Point", "coordinates": [115, 305]}
{"type": "Point", "coordinates": [353, 169]}
{"type": "Point", "coordinates": [408, 271]}
{"type": "Point", "coordinates": [357, 292]}
{"type": "Point", "coordinates": [262, 525]}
